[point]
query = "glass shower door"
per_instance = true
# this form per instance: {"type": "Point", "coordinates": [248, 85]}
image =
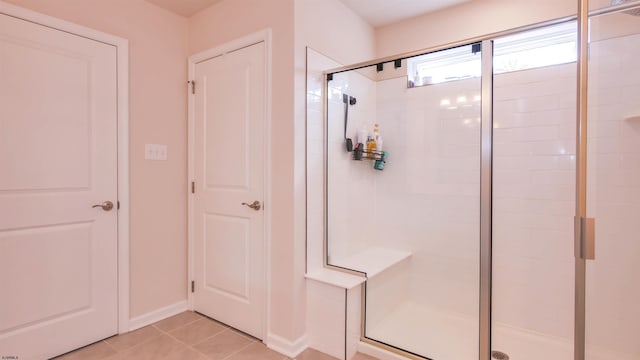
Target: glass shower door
{"type": "Point", "coordinates": [613, 187]}
{"type": "Point", "coordinates": [427, 206]}
{"type": "Point", "coordinates": [405, 212]}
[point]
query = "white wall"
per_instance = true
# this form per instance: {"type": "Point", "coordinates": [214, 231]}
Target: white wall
{"type": "Point", "coordinates": [316, 63]}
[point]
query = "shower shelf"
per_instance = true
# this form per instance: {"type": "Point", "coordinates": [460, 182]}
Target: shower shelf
{"type": "Point", "coordinates": [368, 155]}
{"type": "Point", "coordinates": [373, 261]}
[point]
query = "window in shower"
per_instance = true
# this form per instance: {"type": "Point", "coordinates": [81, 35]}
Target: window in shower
{"type": "Point", "coordinates": [547, 46]}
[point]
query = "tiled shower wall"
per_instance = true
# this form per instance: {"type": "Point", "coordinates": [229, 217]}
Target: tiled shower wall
{"type": "Point", "coordinates": [533, 199]}
{"type": "Point", "coordinates": [428, 195]}
{"type": "Point", "coordinates": [534, 176]}
{"type": "Point", "coordinates": [350, 184]}
{"type": "Point", "coordinates": [613, 289]}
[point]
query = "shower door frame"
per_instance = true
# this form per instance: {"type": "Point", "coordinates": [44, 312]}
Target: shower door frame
{"type": "Point", "coordinates": [583, 240]}
{"type": "Point", "coordinates": [584, 228]}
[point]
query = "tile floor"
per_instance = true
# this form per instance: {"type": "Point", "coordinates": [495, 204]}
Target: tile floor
{"type": "Point", "coordinates": [187, 336]}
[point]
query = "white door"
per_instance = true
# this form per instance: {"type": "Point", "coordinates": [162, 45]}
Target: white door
{"type": "Point", "coordinates": [58, 157]}
{"type": "Point", "coordinates": [229, 168]}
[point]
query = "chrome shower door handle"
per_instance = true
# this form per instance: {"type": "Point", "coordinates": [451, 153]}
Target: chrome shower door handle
{"type": "Point", "coordinates": [254, 205]}
{"type": "Point", "coordinates": [106, 206]}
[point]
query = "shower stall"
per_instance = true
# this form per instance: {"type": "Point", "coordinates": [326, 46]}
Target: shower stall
{"type": "Point", "coordinates": [461, 216]}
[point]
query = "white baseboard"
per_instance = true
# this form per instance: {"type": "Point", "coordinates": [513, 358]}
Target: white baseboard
{"type": "Point", "coordinates": [286, 347]}
{"type": "Point", "coordinates": [157, 315]}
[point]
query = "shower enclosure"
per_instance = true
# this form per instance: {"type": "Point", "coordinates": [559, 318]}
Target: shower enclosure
{"type": "Point", "coordinates": [462, 218]}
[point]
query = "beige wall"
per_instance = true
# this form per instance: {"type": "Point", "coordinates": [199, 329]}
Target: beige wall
{"type": "Point", "coordinates": [331, 28]}
{"type": "Point", "coordinates": [157, 88]}
{"type": "Point", "coordinates": [466, 21]}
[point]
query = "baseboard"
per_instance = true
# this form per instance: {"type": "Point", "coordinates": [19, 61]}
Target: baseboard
{"type": "Point", "coordinates": [286, 347]}
{"type": "Point", "coordinates": [157, 315]}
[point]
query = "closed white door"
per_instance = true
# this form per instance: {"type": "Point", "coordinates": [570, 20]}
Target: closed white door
{"type": "Point", "coordinates": [229, 168]}
{"type": "Point", "coordinates": [58, 157]}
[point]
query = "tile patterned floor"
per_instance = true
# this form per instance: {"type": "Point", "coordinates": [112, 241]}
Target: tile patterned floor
{"type": "Point", "coordinates": [187, 336]}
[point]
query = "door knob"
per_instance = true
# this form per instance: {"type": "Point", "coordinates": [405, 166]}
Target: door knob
{"type": "Point", "coordinates": [254, 205]}
{"type": "Point", "coordinates": [106, 206]}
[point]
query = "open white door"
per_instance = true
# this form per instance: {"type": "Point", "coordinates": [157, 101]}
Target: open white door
{"type": "Point", "coordinates": [230, 115]}
{"type": "Point", "coordinates": [58, 158]}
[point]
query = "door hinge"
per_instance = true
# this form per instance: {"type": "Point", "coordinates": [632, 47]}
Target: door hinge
{"type": "Point", "coordinates": [193, 86]}
{"type": "Point", "coordinates": [193, 286]}
{"type": "Point", "coordinates": [193, 187]}
{"type": "Point", "coordinates": [585, 238]}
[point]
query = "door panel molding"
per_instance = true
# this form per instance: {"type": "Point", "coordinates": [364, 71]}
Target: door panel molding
{"type": "Point", "coordinates": [122, 87]}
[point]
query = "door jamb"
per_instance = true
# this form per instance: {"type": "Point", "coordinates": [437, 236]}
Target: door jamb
{"type": "Point", "coordinates": [248, 40]}
{"type": "Point", "coordinates": [122, 88]}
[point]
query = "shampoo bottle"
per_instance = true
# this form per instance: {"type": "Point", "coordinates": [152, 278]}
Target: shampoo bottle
{"type": "Point", "coordinates": [372, 145]}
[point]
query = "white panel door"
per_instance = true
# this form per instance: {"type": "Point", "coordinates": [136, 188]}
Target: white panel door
{"type": "Point", "coordinates": [58, 157]}
{"type": "Point", "coordinates": [229, 170]}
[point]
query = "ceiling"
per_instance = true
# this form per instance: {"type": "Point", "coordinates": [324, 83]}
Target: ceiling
{"type": "Point", "coordinates": [185, 8]}
{"type": "Point", "coordinates": [376, 12]}
{"type": "Point", "coordinates": [383, 12]}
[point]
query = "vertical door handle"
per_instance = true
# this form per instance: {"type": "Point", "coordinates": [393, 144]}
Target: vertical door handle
{"type": "Point", "coordinates": [254, 205]}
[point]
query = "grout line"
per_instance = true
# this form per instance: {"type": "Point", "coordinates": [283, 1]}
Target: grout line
{"type": "Point", "coordinates": [176, 328]}
{"type": "Point", "coordinates": [110, 346]}
{"type": "Point", "coordinates": [234, 353]}
{"type": "Point", "coordinates": [207, 339]}
{"type": "Point", "coordinates": [135, 345]}
{"type": "Point", "coordinates": [224, 328]}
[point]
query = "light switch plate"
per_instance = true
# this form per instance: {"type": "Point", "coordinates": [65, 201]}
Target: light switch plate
{"type": "Point", "coordinates": [155, 152]}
